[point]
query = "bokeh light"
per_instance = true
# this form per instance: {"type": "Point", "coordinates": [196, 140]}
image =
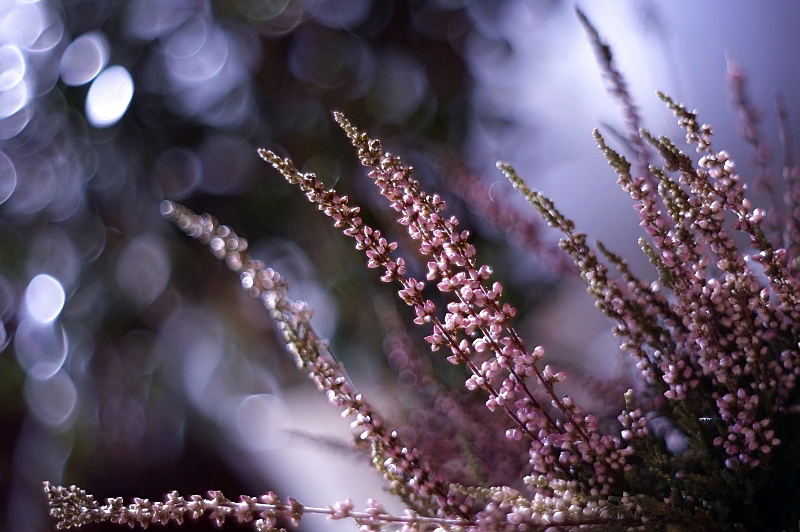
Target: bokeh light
{"type": "Point", "coordinates": [52, 400]}
{"type": "Point", "coordinates": [36, 189]}
{"type": "Point", "coordinates": [53, 251]}
{"type": "Point", "coordinates": [109, 97]}
{"type": "Point", "coordinates": [14, 96]}
{"type": "Point", "coordinates": [84, 58]}
{"type": "Point", "coordinates": [46, 25]}
{"type": "Point", "coordinates": [178, 171]}
{"type": "Point", "coordinates": [202, 359]}
{"type": "Point", "coordinates": [8, 177]}
{"type": "Point", "coordinates": [13, 66]}
{"type": "Point", "coordinates": [340, 14]}
{"type": "Point", "coordinates": [399, 90]}
{"type": "Point", "coordinates": [23, 23]}
{"type": "Point", "coordinates": [147, 20]}
{"type": "Point", "coordinates": [261, 420]}
{"type": "Point", "coordinates": [196, 51]}
{"type": "Point", "coordinates": [143, 270]}
{"type": "Point", "coordinates": [44, 298]}
{"type": "Point", "coordinates": [41, 350]}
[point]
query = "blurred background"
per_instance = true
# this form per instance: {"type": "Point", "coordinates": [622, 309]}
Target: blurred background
{"type": "Point", "coordinates": [132, 364]}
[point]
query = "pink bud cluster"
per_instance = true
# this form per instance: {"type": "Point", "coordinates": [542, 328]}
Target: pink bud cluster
{"type": "Point", "coordinates": [468, 444]}
{"type": "Point", "coordinates": [739, 319]}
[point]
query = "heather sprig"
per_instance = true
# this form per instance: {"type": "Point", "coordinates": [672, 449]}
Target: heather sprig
{"type": "Point", "coordinates": [632, 322]}
{"type": "Point", "coordinates": [469, 445]}
{"type": "Point", "coordinates": [73, 507]}
{"type": "Point", "coordinates": [618, 89]}
{"type": "Point", "coordinates": [419, 486]}
{"type": "Point", "coordinates": [719, 187]}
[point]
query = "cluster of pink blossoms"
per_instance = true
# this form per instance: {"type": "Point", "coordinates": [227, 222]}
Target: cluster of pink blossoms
{"type": "Point", "coordinates": [476, 327]}
{"type": "Point", "coordinates": [722, 327]}
{"type": "Point", "coordinates": [726, 343]}
{"type": "Point", "coordinates": [469, 445]}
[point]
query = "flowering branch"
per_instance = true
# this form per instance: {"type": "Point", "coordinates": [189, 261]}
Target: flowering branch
{"type": "Point", "coordinates": [420, 487]}
{"type": "Point", "coordinates": [73, 507]}
{"type": "Point", "coordinates": [477, 313]}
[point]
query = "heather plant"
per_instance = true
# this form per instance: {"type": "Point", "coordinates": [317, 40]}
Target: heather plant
{"type": "Point", "coordinates": [714, 337]}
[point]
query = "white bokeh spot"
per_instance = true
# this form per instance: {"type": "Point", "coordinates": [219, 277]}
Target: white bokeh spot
{"type": "Point", "coordinates": [109, 96]}
{"type": "Point", "coordinates": [44, 298]}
